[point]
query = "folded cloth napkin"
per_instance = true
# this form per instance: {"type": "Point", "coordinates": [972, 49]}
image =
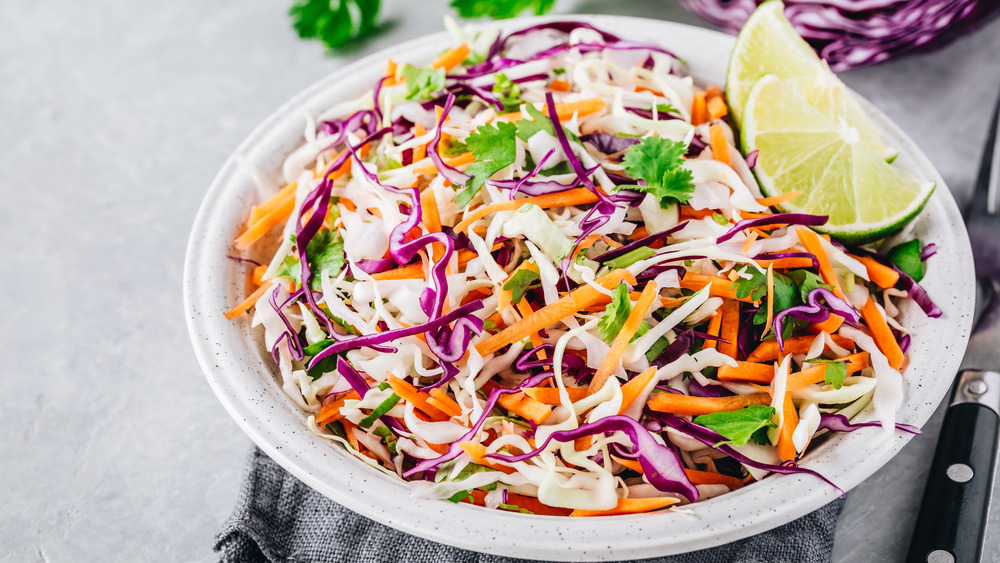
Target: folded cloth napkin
{"type": "Point", "coordinates": [278, 518]}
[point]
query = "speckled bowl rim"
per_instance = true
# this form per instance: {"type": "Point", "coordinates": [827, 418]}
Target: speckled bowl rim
{"type": "Point", "coordinates": [237, 368]}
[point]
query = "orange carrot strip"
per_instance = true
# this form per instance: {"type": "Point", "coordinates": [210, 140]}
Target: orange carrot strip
{"type": "Point", "coordinates": [786, 263]}
{"type": "Point", "coordinates": [454, 161]}
{"type": "Point", "coordinates": [714, 325]}
{"type": "Point", "coordinates": [749, 242]}
{"type": "Point", "coordinates": [730, 328]}
{"type": "Point", "coordinates": [810, 240]}
{"type": "Point", "coordinates": [274, 201]}
{"type": "Point", "coordinates": [525, 309]}
{"type": "Point", "coordinates": [719, 144]}
{"type": "Point", "coordinates": [695, 406]}
{"type": "Point", "coordinates": [698, 477]}
{"type": "Point", "coordinates": [247, 303]}
{"type": "Point", "coordinates": [624, 336]}
{"type": "Point", "coordinates": [746, 372]}
{"type": "Point", "coordinates": [630, 506]}
{"type": "Point", "coordinates": [768, 350]}
{"type": "Point", "coordinates": [258, 274]}
{"type": "Point", "coordinates": [883, 276]}
{"type": "Point", "coordinates": [568, 198]}
{"type": "Point", "coordinates": [565, 110]}
{"type": "Point", "coordinates": [775, 200]}
{"type": "Point", "coordinates": [550, 395]}
{"type": "Point", "coordinates": [416, 271]}
{"type": "Point", "coordinates": [716, 107]}
{"type": "Point", "coordinates": [390, 73]}
{"type": "Point", "coordinates": [631, 390]}
{"type": "Point", "coordinates": [267, 222]}
{"type": "Point", "coordinates": [713, 91]}
{"type": "Point", "coordinates": [351, 438]}
{"type": "Point", "coordinates": [559, 85]}
{"type": "Point", "coordinates": [699, 110]}
{"type": "Point", "coordinates": [580, 298]}
{"type": "Point", "coordinates": [419, 151]}
{"type": "Point", "coordinates": [525, 407]}
{"type": "Point", "coordinates": [445, 404]}
{"type": "Point", "coordinates": [451, 58]}
{"type": "Point", "coordinates": [721, 287]}
{"type": "Point", "coordinates": [531, 504]}
{"type": "Point", "coordinates": [830, 325]}
{"type": "Point", "coordinates": [477, 452]}
{"type": "Point", "coordinates": [330, 412]}
{"type": "Point", "coordinates": [790, 419]}
{"type": "Point", "coordinates": [415, 397]}
{"type": "Point", "coordinates": [431, 218]}
{"type": "Point", "coordinates": [880, 332]}
{"type": "Point", "coordinates": [817, 373]}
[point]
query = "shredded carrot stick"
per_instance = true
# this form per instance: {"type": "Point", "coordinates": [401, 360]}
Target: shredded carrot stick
{"type": "Point", "coordinates": [695, 406]}
{"type": "Point", "coordinates": [699, 109]}
{"type": "Point", "coordinates": [828, 326]}
{"type": "Point", "coordinates": [267, 222]}
{"type": "Point", "coordinates": [525, 309]}
{"type": "Point", "coordinates": [790, 419]}
{"type": "Point", "coordinates": [559, 85]}
{"type": "Point", "coordinates": [882, 275]}
{"type": "Point", "coordinates": [431, 218]}
{"type": "Point", "coordinates": [746, 372]}
{"type": "Point", "coordinates": [635, 386]}
{"type": "Point", "coordinates": [698, 477]}
{"type": "Point", "coordinates": [630, 506]}
{"type": "Point", "coordinates": [775, 200]}
{"type": "Point", "coordinates": [568, 198]}
{"type": "Point", "coordinates": [794, 262]}
{"type": "Point", "coordinates": [580, 298]}
{"type": "Point", "coordinates": [448, 405]}
{"type": "Point", "coordinates": [713, 91]}
{"type": "Point", "coordinates": [454, 161]}
{"type": "Point", "coordinates": [720, 287]}
{"type": "Point", "coordinates": [564, 110]}
{"type": "Point", "coordinates": [477, 452]}
{"type": "Point", "coordinates": [768, 350]}
{"type": "Point", "coordinates": [810, 240]}
{"type": "Point", "coordinates": [624, 336]}
{"type": "Point", "coordinates": [714, 325]}
{"type": "Point", "coordinates": [274, 201]}
{"type": "Point", "coordinates": [716, 107]}
{"type": "Point", "coordinates": [770, 300]}
{"type": "Point", "coordinates": [550, 395]}
{"type": "Point", "coordinates": [749, 242]}
{"type": "Point", "coordinates": [525, 407]}
{"type": "Point", "coordinates": [351, 438]}
{"type": "Point", "coordinates": [817, 373]}
{"type": "Point", "coordinates": [719, 144]}
{"type": "Point", "coordinates": [416, 271]}
{"type": "Point", "coordinates": [390, 73]}
{"type": "Point", "coordinates": [248, 302]}
{"type": "Point", "coordinates": [419, 151]}
{"type": "Point", "coordinates": [451, 58]}
{"type": "Point", "coordinates": [730, 328]}
{"type": "Point", "coordinates": [530, 504]}
{"type": "Point", "coordinates": [330, 412]}
{"type": "Point", "coordinates": [258, 274]}
{"type": "Point", "coordinates": [882, 334]}
{"type": "Point", "coordinates": [415, 397]}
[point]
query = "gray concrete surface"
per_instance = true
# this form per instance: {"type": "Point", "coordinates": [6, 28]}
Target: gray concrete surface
{"type": "Point", "coordinates": [114, 118]}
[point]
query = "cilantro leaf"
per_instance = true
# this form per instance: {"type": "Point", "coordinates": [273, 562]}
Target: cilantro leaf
{"type": "Point", "coordinates": [807, 282]}
{"type": "Point", "coordinates": [615, 314]}
{"type": "Point", "coordinates": [740, 425]}
{"type": "Point", "coordinates": [290, 268]}
{"type": "Point", "coordinates": [334, 22]}
{"type": "Point", "coordinates": [454, 148]}
{"type": "Point", "coordinates": [387, 436]}
{"type": "Point", "coordinates": [499, 10]}
{"type": "Point", "coordinates": [835, 372]}
{"type": "Point", "coordinates": [755, 288]}
{"type": "Point", "coordinates": [422, 83]}
{"type": "Point", "coordinates": [507, 91]}
{"type": "Point", "coordinates": [519, 284]}
{"type": "Point", "coordinates": [324, 251]}
{"type": "Point", "coordinates": [666, 108]}
{"type": "Point", "coordinates": [494, 149]}
{"type": "Point", "coordinates": [657, 162]}
{"type": "Point", "coordinates": [526, 128]}
{"type": "Point", "coordinates": [906, 257]}
{"type": "Point", "coordinates": [786, 296]}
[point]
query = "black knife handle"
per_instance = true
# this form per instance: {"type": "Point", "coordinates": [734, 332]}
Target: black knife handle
{"type": "Point", "coordinates": [953, 514]}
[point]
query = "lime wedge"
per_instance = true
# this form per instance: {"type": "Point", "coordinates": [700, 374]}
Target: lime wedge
{"type": "Point", "coordinates": [824, 156]}
{"type": "Point", "coordinates": [768, 44]}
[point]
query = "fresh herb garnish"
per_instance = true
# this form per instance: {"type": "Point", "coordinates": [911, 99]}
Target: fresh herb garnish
{"type": "Point", "coordinates": [507, 91]}
{"type": "Point", "coordinates": [422, 83]}
{"type": "Point", "coordinates": [334, 22]}
{"type": "Point", "coordinates": [500, 9]}
{"type": "Point", "coordinates": [526, 128]}
{"type": "Point", "coordinates": [754, 287]}
{"type": "Point", "coordinates": [906, 257]}
{"type": "Point", "coordinates": [324, 252]}
{"type": "Point", "coordinates": [615, 315]}
{"type": "Point", "coordinates": [519, 284]}
{"type": "Point", "coordinates": [657, 162]}
{"type": "Point", "coordinates": [740, 425]}
{"type": "Point", "coordinates": [835, 371]}
{"type": "Point", "coordinates": [494, 149]}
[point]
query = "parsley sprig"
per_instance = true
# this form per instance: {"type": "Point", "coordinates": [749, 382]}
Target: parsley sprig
{"type": "Point", "coordinates": [657, 162]}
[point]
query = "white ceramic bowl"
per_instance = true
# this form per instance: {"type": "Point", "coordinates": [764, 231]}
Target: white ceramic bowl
{"type": "Point", "coordinates": [242, 375]}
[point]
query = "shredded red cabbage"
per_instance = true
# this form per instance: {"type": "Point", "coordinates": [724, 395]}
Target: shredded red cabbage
{"type": "Point", "coordinates": [840, 423]}
{"type": "Point", "coordinates": [779, 255]}
{"type": "Point", "coordinates": [917, 293]}
{"type": "Point", "coordinates": [813, 312]}
{"type": "Point", "coordinates": [661, 465]}
{"type": "Point", "coordinates": [928, 251]}
{"type": "Point", "coordinates": [680, 346]}
{"type": "Point", "coordinates": [696, 389]}
{"type": "Point", "coordinates": [752, 158]}
{"type": "Point", "coordinates": [777, 218]}
{"type": "Point", "coordinates": [243, 260]}
{"type": "Point", "coordinates": [608, 143]}
{"type": "Point", "coordinates": [639, 243]}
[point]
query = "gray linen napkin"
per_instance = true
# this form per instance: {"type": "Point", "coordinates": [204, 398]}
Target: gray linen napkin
{"type": "Point", "coordinates": [278, 518]}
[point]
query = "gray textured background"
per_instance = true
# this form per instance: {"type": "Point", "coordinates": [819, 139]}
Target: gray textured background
{"type": "Point", "coordinates": [114, 118]}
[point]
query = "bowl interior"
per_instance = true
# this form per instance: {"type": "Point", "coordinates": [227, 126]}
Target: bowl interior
{"type": "Point", "coordinates": [242, 376]}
